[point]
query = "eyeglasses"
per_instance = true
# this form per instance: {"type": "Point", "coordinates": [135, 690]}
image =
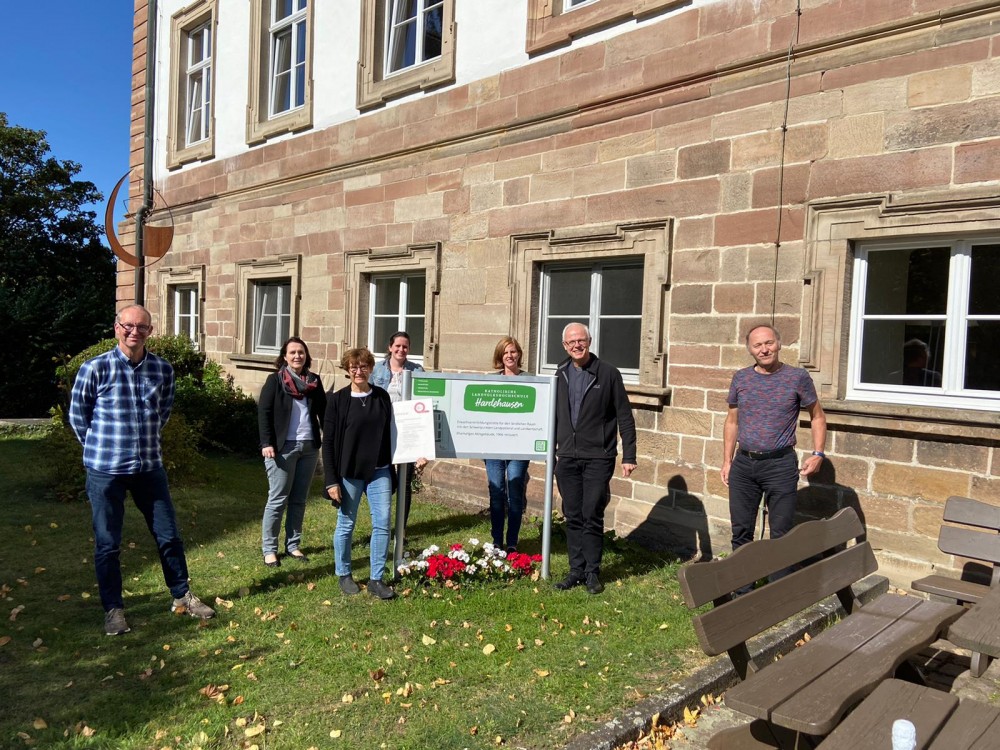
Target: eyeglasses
{"type": "Point", "coordinates": [140, 327]}
{"type": "Point", "coordinates": [358, 368]}
{"type": "Point", "coordinates": [577, 342]}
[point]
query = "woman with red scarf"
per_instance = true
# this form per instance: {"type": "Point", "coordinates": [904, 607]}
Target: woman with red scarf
{"type": "Point", "coordinates": [289, 410]}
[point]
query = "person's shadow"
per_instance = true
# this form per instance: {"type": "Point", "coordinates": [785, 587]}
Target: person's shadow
{"type": "Point", "coordinates": [823, 496]}
{"type": "Point", "coordinates": [677, 522]}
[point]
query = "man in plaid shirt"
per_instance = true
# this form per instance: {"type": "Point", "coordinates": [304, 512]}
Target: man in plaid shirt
{"type": "Point", "coordinates": [120, 402]}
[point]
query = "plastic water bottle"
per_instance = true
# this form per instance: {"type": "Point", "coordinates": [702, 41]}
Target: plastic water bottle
{"type": "Point", "coordinates": [904, 735]}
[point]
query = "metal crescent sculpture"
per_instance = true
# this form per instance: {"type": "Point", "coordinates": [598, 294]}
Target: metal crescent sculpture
{"type": "Point", "coordinates": [155, 240]}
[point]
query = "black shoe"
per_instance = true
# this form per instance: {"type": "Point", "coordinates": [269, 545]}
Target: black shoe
{"type": "Point", "coordinates": [348, 585]}
{"type": "Point", "coordinates": [594, 585]}
{"type": "Point", "coordinates": [275, 563]}
{"type": "Point", "coordinates": [570, 581]}
{"type": "Point", "coordinates": [300, 557]}
{"type": "Point", "coordinates": [380, 590]}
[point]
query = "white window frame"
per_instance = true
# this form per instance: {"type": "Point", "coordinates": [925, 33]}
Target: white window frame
{"type": "Point", "coordinates": [593, 318]}
{"type": "Point", "coordinates": [183, 144]}
{"type": "Point", "coordinates": [952, 393]}
{"type": "Point", "coordinates": [281, 314]}
{"type": "Point", "coordinates": [393, 29]}
{"type": "Point", "coordinates": [264, 120]}
{"type": "Point", "coordinates": [198, 85]}
{"type": "Point", "coordinates": [186, 324]}
{"type": "Point", "coordinates": [402, 317]}
{"type": "Point", "coordinates": [284, 269]}
{"type": "Point", "coordinates": [377, 83]}
{"type": "Point", "coordinates": [294, 27]}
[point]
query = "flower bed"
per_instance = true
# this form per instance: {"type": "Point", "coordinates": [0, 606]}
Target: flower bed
{"type": "Point", "coordinates": [469, 562]}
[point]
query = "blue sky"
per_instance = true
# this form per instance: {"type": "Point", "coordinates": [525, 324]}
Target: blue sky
{"type": "Point", "coordinates": [68, 71]}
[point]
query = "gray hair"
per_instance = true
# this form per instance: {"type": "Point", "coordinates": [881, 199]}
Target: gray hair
{"type": "Point", "coordinates": [768, 326]}
{"type": "Point", "coordinates": [570, 325]}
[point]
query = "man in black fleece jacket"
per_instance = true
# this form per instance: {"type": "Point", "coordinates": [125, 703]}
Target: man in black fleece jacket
{"type": "Point", "coordinates": [592, 408]}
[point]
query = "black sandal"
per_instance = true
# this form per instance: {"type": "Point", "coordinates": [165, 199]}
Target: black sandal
{"type": "Point", "coordinates": [300, 557]}
{"type": "Point", "coordinates": [276, 563]}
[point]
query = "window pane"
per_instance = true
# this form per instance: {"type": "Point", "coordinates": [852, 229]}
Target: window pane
{"type": "Point", "coordinates": [402, 49]}
{"type": "Point", "coordinates": [621, 290]}
{"type": "Point", "coordinates": [982, 356]}
{"type": "Point", "coordinates": [903, 353]}
{"type": "Point", "coordinates": [907, 282]}
{"type": "Point", "coordinates": [569, 295]}
{"type": "Point", "coordinates": [415, 289]}
{"type": "Point", "coordinates": [620, 341]}
{"type": "Point", "coordinates": [387, 296]}
{"type": "Point", "coordinates": [414, 327]}
{"type": "Point", "coordinates": [282, 9]}
{"type": "Point", "coordinates": [282, 72]}
{"type": "Point", "coordinates": [384, 328]}
{"type": "Point", "coordinates": [554, 352]}
{"type": "Point", "coordinates": [985, 282]}
{"type": "Point", "coordinates": [432, 33]}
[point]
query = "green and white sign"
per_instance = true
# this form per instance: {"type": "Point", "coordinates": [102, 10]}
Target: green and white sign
{"type": "Point", "coordinates": [489, 416]}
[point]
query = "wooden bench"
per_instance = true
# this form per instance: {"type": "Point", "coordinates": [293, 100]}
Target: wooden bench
{"type": "Point", "coordinates": [803, 696]}
{"type": "Point", "coordinates": [971, 543]}
{"type": "Point", "coordinates": [942, 723]}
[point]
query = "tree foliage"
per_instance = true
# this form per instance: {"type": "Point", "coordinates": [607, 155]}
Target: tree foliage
{"type": "Point", "coordinates": [57, 281]}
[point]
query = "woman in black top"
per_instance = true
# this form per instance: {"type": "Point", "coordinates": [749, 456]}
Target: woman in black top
{"type": "Point", "coordinates": [290, 407]}
{"type": "Point", "coordinates": [357, 459]}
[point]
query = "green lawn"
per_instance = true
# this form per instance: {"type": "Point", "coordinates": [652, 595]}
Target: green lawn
{"type": "Point", "coordinates": [290, 663]}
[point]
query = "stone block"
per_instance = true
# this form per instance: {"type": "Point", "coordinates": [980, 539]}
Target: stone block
{"type": "Point", "coordinates": [772, 186]}
{"type": "Point", "coordinates": [599, 178]}
{"type": "Point", "coordinates": [939, 86]}
{"type": "Point", "coordinates": [735, 193]}
{"type": "Point", "coordinates": [687, 398]}
{"type": "Point", "coordinates": [703, 160]}
{"type": "Point", "coordinates": [918, 482]}
{"type": "Point", "coordinates": [733, 298]}
{"type": "Point", "coordinates": [650, 169]}
{"type": "Point", "coordinates": [694, 233]}
{"type": "Point", "coordinates": [486, 196]}
{"type": "Point", "coordinates": [885, 447]}
{"type": "Point", "coordinates": [986, 489]}
{"type": "Point", "coordinates": [690, 266]}
{"type": "Point", "coordinates": [948, 123]}
{"type": "Point", "coordinates": [699, 377]}
{"type": "Point", "coordinates": [857, 135]}
{"type": "Point", "coordinates": [656, 445]}
{"type": "Point", "coordinates": [701, 329]}
{"type": "Point", "coordinates": [692, 450]}
{"type": "Point", "coordinates": [890, 172]}
{"type": "Point", "coordinates": [690, 299]}
{"type": "Point", "coordinates": [960, 456]}
{"type": "Point", "coordinates": [977, 162]}
{"type": "Point", "coordinates": [686, 422]}
{"type": "Point", "coordinates": [677, 199]}
{"type": "Point", "coordinates": [547, 186]}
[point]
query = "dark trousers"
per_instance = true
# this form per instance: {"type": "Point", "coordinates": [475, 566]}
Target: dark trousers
{"type": "Point", "coordinates": [585, 490]}
{"type": "Point", "coordinates": [152, 497]}
{"type": "Point", "coordinates": [776, 479]}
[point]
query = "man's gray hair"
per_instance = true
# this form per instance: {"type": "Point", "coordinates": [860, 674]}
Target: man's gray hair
{"type": "Point", "coordinates": [768, 326]}
{"type": "Point", "coordinates": [570, 325]}
{"type": "Point", "coordinates": [118, 315]}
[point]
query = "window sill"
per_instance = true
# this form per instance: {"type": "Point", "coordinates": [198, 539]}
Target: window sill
{"type": "Point", "coordinates": [647, 395]}
{"type": "Point", "coordinates": [253, 361]}
{"type": "Point", "coordinates": [910, 420]}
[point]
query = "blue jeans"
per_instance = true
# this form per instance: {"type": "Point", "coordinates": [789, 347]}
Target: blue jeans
{"type": "Point", "coordinates": [151, 496]}
{"type": "Point", "coordinates": [289, 475]}
{"type": "Point", "coordinates": [507, 481]}
{"type": "Point", "coordinates": [379, 492]}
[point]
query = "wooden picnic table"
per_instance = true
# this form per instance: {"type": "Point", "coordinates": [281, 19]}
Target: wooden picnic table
{"type": "Point", "coordinates": [979, 630]}
{"type": "Point", "coordinates": [941, 721]}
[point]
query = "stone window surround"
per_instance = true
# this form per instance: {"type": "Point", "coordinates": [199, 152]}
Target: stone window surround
{"type": "Point", "coordinates": [360, 265]}
{"type": "Point", "coordinates": [649, 240]}
{"type": "Point", "coordinates": [550, 26]}
{"type": "Point", "coordinates": [260, 126]}
{"type": "Point", "coordinates": [182, 22]}
{"type": "Point", "coordinates": [249, 272]}
{"type": "Point", "coordinates": [170, 277]}
{"type": "Point", "coordinates": [375, 88]}
{"type": "Point", "coordinates": [832, 229]}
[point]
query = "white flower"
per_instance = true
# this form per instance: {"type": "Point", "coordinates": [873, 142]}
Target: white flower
{"type": "Point", "coordinates": [498, 563]}
{"type": "Point", "coordinates": [474, 542]}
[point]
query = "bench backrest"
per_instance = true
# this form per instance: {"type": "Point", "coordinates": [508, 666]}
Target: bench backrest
{"type": "Point", "coordinates": [971, 542]}
{"type": "Point", "coordinates": [731, 622]}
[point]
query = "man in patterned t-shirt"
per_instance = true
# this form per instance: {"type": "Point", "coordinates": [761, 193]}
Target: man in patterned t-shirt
{"type": "Point", "coordinates": [764, 404]}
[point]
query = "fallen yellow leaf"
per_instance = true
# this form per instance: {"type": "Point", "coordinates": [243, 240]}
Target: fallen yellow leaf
{"type": "Point", "coordinates": [335, 733]}
{"type": "Point", "coordinates": [254, 730]}
{"type": "Point", "coordinates": [39, 723]}
{"type": "Point", "coordinates": [489, 648]}
{"type": "Point", "coordinates": [427, 640]}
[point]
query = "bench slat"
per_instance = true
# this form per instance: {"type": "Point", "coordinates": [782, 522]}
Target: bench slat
{"type": "Point", "coordinates": [953, 588]}
{"type": "Point", "coordinates": [810, 689]}
{"type": "Point", "coordinates": [732, 623]}
{"type": "Point", "coordinates": [706, 582]}
{"type": "Point", "coordinates": [869, 727]}
{"type": "Point", "coordinates": [972, 512]}
{"type": "Point", "coordinates": [977, 545]}
{"type": "Point", "coordinates": [973, 726]}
